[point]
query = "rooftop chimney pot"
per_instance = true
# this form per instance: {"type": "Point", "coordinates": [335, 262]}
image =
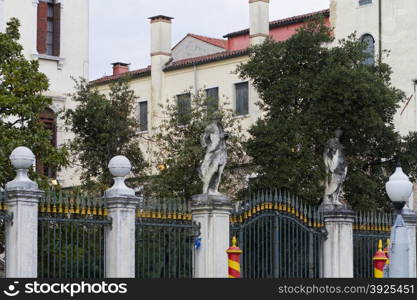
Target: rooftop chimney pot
{"type": "Point", "coordinates": [259, 21]}
{"type": "Point", "coordinates": [120, 68]}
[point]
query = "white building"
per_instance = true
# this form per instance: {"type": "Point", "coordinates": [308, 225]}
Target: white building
{"type": "Point", "coordinates": [55, 32]}
{"type": "Point", "coordinates": [389, 25]}
{"type": "Point", "coordinates": [200, 63]}
{"type": "Point", "coordinates": [209, 63]}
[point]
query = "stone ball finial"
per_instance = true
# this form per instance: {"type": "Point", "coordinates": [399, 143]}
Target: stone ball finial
{"type": "Point", "coordinates": [22, 158]}
{"type": "Point", "coordinates": [120, 166]}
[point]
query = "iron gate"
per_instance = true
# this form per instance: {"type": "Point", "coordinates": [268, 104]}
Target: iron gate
{"type": "Point", "coordinates": [164, 239]}
{"type": "Point", "coordinates": [281, 237]}
{"type": "Point", "coordinates": [368, 229]}
{"type": "Point", "coordinates": [71, 236]}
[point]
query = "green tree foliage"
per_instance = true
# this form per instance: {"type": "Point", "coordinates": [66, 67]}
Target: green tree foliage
{"type": "Point", "coordinates": [21, 102]}
{"type": "Point", "coordinates": [178, 148]}
{"type": "Point", "coordinates": [104, 126]}
{"type": "Point", "coordinates": [310, 89]}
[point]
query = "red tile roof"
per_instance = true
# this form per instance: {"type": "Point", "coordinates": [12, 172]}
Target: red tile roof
{"type": "Point", "coordinates": [216, 42]}
{"type": "Point", "coordinates": [205, 59]}
{"type": "Point", "coordinates": [133, 74]}
{"type": "Point", "coordinates": [174, 65]}
{"type": "Point", "coordinates": [212, 57]}
{"type": "Point", "coordinates": [283, 22]}
{"type": "Point", "coordinates": [213, 41]}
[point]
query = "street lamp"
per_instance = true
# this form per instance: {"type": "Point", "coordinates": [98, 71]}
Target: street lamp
{"type": "Point", "coordinates": [399, 189]}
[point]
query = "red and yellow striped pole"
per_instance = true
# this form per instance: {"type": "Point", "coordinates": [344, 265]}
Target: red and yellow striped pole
{"type": "Point", "coordinates": [234, 253]}
{"type": "Point", "coordinates": [386, 250]}
{"type": "Point", "coordinates": [380, 259]}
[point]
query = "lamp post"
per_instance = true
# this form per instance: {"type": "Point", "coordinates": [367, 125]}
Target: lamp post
{"type": "Point", "coordinates": [399, 189]}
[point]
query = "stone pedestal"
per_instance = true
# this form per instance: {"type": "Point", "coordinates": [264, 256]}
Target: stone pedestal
{"type": "Point", "coordinates": [120, 237]}
{"type": "Point", "coordinates": [338, 247]}
{"type": "Point", "coordinates": [22, 233]}
{"type": "Point", "coordinates": [410, 219]}
{"type": "Point", "coordinates": [212, 212]}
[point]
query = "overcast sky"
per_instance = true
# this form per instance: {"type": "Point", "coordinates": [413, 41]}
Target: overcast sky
{"type": "Point", "coordinates": [120, 28]}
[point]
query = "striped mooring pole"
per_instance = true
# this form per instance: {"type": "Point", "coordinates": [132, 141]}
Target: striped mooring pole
{"type": "Point", "coordinates": [234, 253]}
{"type": "Point", "coordinates": [386, 250]}
{"type": "Point", "coordinates": [380, 259]}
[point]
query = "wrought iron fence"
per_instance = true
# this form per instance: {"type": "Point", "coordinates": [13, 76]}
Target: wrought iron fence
{"type": "Point", "coordinates": [3, 218]}
{"type": "Point", "coordinates": [71, 236]}
{"type": "Point", "coordinates": [368, 229]}
{"type": "Point", "coordinates": [164, 239]}
{"type": "Point", "coordinates": [280, 235]}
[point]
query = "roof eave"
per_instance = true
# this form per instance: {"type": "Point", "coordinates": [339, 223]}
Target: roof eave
{"type": "Point", "coordinates": [276, 24]}
{"type": "Point", "coordinates": [131, 76]}
{"type": "Point", "coordinates": [206, 61]}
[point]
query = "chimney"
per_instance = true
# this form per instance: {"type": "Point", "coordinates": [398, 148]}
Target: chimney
{"type": "Point", "coordinates": [259, 21]}
{"type": "Point", "coordinates": [160, 55]}
{"type": "Point", "coordinates": [161, 35]}
{"type": "Point", "coordinates": [120, 68]}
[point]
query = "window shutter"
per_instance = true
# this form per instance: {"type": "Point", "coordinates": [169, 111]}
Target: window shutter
{"type": "Point", "coordinates": [57, 29]}
{"type": "Point", "coordinates": [213, 99]}
{"type": "Point", "coordinates": [42, 27]}
{"type": "Point", "coordinates": [245, 103]}
{"type": "Point", "coordinates": [242, 99]}
{"type": "Point", "coordinates": [143, 116]}
{"type": "Point", "coordinates": [184, 108]}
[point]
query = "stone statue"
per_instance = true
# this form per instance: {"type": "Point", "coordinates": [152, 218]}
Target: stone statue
{"type": "Point", "coordinates": [336, 170]}
{"type": "Point", "coordinates": [214, 143]}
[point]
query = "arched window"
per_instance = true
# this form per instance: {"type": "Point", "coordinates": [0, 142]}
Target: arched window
{"type": "Point", "coordinates": [370, 48]}
{"type": "Point", "coordinates": [48, 119]}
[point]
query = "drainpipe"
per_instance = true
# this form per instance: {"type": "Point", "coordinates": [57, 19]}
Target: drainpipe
{"type": "Point", "coordinates": [380, 30]}
{"type": "Point", "coordinates": [195, 80]}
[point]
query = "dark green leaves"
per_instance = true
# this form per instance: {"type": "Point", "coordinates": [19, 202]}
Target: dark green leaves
{"type": "Point", "coordinates": [309, 89]}
{"type": "Point", "coordinates": [21, 102]}
{"type": "Point", "coordinates": [104, 126]}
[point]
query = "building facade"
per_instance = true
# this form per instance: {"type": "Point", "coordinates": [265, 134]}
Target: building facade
{"type": "Point", "coordinates": [198, 63]}
{"type": "Point", "coordinates": [49, 30]}
{"type": "Point", "coordinates": [391, 26]}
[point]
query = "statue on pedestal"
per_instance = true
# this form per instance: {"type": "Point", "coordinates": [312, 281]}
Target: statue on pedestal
{"type": "Point", "coordinates": [336, 170]}
{"type": "Point", "coordinates": [213, 142]}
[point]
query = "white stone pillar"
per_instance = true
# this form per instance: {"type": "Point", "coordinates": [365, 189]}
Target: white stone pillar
{"type": "Point", "coordinates": [22, 231]}
{"type": "Point", "coordinates": [120, 237]}
{"type": "Point", "coordinates": [338, 247]}
{"type": "Point", "coordinates": [410, 219]}
{"type": "Point", "coordinates": [212, 212]}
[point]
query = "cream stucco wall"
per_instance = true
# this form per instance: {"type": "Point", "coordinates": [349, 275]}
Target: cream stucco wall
{"type": "Point", "coordinates": [192, 47]}
{"type": "Point", "coordinates": [219, 74]}
{"type": "Point", "coordinates": [73, 60]}
{"type": "Point", "coordinates": [399, 36]}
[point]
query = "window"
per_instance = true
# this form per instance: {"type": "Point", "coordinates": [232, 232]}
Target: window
{"type": "Point", "coordinates": [212, 99]}
{"type": "Point", "coordinates": [48, 119]}
{"type": "Point", "coordinates": [184, 108]}
{"type": "Point", "coordinates": [370, 48]}
{"type": "Point", "coordinates": [364, 2]}
{"type": "Point", "coordinates": [242, 99]}
{"type": "Point", "coordinates": [48, 27]}
{"type": "Point", "coordinates": [143, 115]}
